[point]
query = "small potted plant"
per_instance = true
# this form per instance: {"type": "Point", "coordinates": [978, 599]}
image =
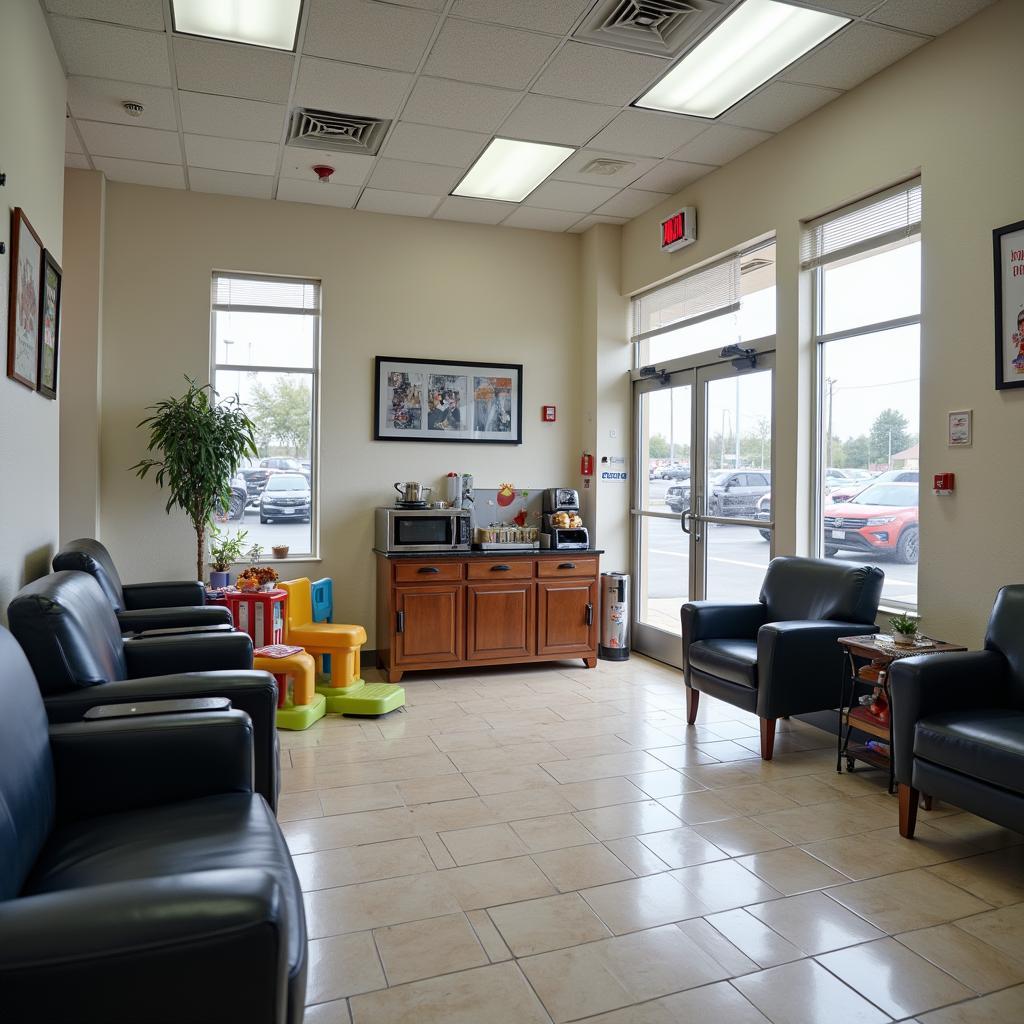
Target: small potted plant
{"type": "Point", "coordinates": [280, 550]}
{"type": "Point", "coordinates": [904, 629]}
{"type": "Point", "coordinates": [225, 548]}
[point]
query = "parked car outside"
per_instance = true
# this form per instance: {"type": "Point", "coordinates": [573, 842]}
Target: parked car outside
{"type": "Point", "coordinates": [255, 478]}
{"type": "Point", "coordinates": [676, 473]}
{"type": "Point", "coordinates": [764, 513]}
{"type": "Point", "coordinates": [677, 497]}
{"type": "Point", "coordinates": [286, 496]}
{"type": "Point", "coordinates": [737, 492]}
{"type": "Point", "coordinates": [882, 518]}
{"type": "Point", "coordinates": [285, 463]}
{"type": "Point", "coordinates": [237, 502]}
{"type": "Point", "coordinates": [893, 476]}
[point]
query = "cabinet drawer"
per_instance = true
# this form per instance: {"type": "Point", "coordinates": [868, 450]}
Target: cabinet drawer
{"type": "Point", "coordinates": [567, 566]}
{"type": "Point", "coordinates": [427, 572]}
{"type": "Point", "coordinates": [498, 569]}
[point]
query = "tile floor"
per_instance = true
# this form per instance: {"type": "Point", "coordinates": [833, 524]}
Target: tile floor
{"type": "Point", "coordinates": [549, 844]}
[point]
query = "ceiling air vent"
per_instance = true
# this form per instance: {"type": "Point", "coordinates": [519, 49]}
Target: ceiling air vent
{"type": "Point", "coordinates": [347, 133]}
{"type": "Point", "coordinates": [605, 166]}
{"type": "Point", "coordinates": [663, 27]}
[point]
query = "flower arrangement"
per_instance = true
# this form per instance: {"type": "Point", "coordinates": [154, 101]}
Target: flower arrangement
{"type": "Point", "coordinates": [256, 576]}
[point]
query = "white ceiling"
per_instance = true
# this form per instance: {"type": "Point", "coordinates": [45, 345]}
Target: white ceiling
{"type": "Point", "coordinates": [451, 74]}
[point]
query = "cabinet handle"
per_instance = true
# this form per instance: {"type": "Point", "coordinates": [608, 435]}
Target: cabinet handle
{"type": "Point", "coordinates": [400, 627]}
{"type": "Point", "coordinates": [501, 568]}
{"type": "Point", "coordinates": [567, 565]}
{"type": "Point", "coordinates": [428, 569]}
{"type": "Point", "coordinates": [590, 614]}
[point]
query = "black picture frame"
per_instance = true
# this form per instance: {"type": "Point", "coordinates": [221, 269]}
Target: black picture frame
{"type": "Point", "coordinates": [49, 325]}
{"type": "Point", "coordinates": [447, 401]}
{"type": "Point", "coordinates": [1008, 278]}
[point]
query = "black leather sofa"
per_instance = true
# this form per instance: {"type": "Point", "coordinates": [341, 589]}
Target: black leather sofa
{"type": "Point", "coordinates": [141, 606]}
{"type": "Point", "coordinates": [958, 723]}
{"type": "Point", "coordinates": [73, 641]}
{"type": "Point", "coordinates": [141, 879]}
{"type": "Point", "coordinates": [779, 657]}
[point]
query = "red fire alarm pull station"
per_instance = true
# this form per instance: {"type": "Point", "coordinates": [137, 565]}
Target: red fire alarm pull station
{"type": "Point", "coordinates": [587, 464]}
{"type": "Point", "coordinates": [679, 230]}
{"type": "Point", "coordinates": [944, 483]}
{"type": "Point", "coordinates": [548, 413]}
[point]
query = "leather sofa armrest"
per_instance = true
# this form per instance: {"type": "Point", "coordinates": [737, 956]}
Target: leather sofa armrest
{"type": "Point", "coordinates": [142, 619]}
{"type": "Point", "coordinates": [928, 683]}
{"type": "Point", "coordinates": [707, 620]}
{"type": "Point", "coordinates": [110, 765]}
{"type": "Point", "coordinates": [800, 665]}
{"type": "Point", "coordinates": [200, 946]}
{"type": "Point", "coordinates": [201, 652]}
{"type": "Point", "coordinates": [181, 594]}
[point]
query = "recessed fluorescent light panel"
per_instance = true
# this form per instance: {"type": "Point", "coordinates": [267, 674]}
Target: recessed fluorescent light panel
{"type": "Point", "coordinates": [270, 23]}
{"type": "Point", "coordinates": [750, 46]}
{"type": "Point", "coordinates": [510, 170]}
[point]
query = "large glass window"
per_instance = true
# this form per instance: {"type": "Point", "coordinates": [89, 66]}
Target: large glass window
{"type": "Point", "coordinates": [266, 344]}
{"type": "Point", "coordinates": [867, 266]}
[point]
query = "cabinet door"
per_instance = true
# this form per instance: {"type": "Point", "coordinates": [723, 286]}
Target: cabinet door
{"type": "Point", "coordinates": [499, 620]}
{"type": "Point", "coordinates": [429, 624]}
{"type": "Point", "coordinates": [566, 617]}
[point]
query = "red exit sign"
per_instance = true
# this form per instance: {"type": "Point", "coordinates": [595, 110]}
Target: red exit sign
{"type": "Point", "coordinates": [679, 230]}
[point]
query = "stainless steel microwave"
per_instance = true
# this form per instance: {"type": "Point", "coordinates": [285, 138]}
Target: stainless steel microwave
{"type": "Point", "coordinates": [426, 529]}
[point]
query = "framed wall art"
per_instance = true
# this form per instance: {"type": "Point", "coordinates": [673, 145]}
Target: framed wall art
{"type": "Point", "coordinates": [49, 325]}
{"type": "Point", "coordinates": [448, 400]}
{"type": "Point", "coordinates": [24, 304]}
{"type": "Point", "coordinates": [1008, 256]}
{"type": "Point", "coordinates": [960, 429]}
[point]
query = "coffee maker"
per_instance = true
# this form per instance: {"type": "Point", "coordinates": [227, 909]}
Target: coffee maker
{"type": "Point", "coordinates": [562, 527]}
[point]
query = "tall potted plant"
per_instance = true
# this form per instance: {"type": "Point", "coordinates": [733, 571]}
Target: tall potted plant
{"type": "Point", "coordinates": [200, 441]}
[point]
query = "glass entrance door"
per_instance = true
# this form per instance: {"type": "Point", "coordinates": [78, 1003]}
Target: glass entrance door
{"type": "Point", "coordinates": [702, 522]}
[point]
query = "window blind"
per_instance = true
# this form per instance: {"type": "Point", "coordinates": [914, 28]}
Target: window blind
{"type": "Point", "coordinates": [248, 292]}
{"type": "Point", "coordinates": [881, 219]}
{"type": "Point", "coordinates": [706, 293]}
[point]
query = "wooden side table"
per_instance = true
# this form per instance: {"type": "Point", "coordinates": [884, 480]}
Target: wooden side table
{"type": "Point", "coordinates": [879, 651]}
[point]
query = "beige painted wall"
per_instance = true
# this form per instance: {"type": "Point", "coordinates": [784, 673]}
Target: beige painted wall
{"type": "Point", "coordinates": [391, 286]}
{"type": "Point", "coordinates": [32, 156]}
{"type": "Point", "coordinates": [952, 109]}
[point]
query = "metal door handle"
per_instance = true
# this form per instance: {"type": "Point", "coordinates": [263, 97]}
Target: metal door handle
{"type": "Point", "coordinates": [400, 627]}
{"type": "Point", "coordinates": [501, 568]}
{"type": "Point", "coordinates": [590, 614]}
{"type": "Point", "coordinates": [428, 569]}
{"type": "Point", "coordinates": [682, 521]}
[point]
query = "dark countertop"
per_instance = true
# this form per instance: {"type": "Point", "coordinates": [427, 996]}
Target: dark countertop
{"type": "Point", "coordinates": [507, 553]}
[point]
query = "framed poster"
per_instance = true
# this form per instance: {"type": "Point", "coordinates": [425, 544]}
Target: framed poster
{"type": "Point", "coordinates": [1008, 256]}
{"type": "Point", "coordinates": [960, 429]}
{"type": "Point", "coordinates": [49, 325]}
{"type": "Point", "coordinates": [24, 303]}
{"type": "Point", "coordinates": [448, 400]}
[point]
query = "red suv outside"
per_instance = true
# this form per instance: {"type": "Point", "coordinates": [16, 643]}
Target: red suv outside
{"type": "Point", "coordinates": [881, 518]}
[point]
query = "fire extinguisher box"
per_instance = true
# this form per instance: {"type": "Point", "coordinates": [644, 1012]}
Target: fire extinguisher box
{"type": "Point", "coordinates": [260, 614]}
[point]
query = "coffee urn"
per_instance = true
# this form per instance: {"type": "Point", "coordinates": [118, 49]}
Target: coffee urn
{"type": "Point", "coordinates": [614, 642]}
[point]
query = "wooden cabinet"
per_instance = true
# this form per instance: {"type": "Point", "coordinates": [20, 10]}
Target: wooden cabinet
{"type": "Point", "coordinates": [472, 610]}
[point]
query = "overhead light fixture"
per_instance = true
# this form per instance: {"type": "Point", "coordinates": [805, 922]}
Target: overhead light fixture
{"type": "Point", "coordinates": [272, 23]}
{"type": "Point", "coordinates": [751, 45]}
{"type": "Point", "coordinates": [510, 170]}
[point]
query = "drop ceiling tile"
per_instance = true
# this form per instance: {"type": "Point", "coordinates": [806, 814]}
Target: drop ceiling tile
{"type": "Point", "coordinates": [567, 195]}
{"type": "Point", "coordinates": [854, 7]}
{"type": "Point", "coordinates": [596, 218]}
{"type": "Point", "coordinates": [100, 99]}
{"type": "Point", "coordinates": [130, 142]}
{"type": "Point", "coordinates": [672, 175]}
{"type": "Point", "coordinates": [406, 176]}
{"type": "Point", "coordinates": [136, 13]}
{"type": "Point", "coordinates": [110, 51]}
{"type": "Point", "coordinates": [71, 143]}
{"type": "Point", "coordinates": [231, 154]}
{"type": "Point", "coordinates": [77, 160]}
{"type": "Point", "coordinates": [318, 192]}
{"type": "Point", "coordinates": [540, 220]}
{"type": "Point", "coordinates": [647, 133]}
{"type": "Point", "coordinates": [375, 200]}
{"type": "Point", "coordinates": [598, 74]}
{"type": "Point", "coordinates": [231, 117]}
{"type": "Point", "coordinates": [422, 5]}
{"type": "Point", "coordinates": [779, 105]}
{"type": "Point", "coordinates": [853, 56]}
{"type": "Point", "coordinates": [350, 88]}
{"type": "Point", "coordinates": [229, 69]}
{"type": "Point", "coordinates": [468, 51]}
{"type": "Point", "coordinates": [631, 202]}
{"type": "Point", "coordinates": [719, 144]}
{"type": "Point", "coordinates": [476, 211]}
{"type": "Point", "coordinates": [477, 108]}
{"type": "Point", "coordinates": [572, 169]}
{"type": "Point", "coordinates": [431, 145]}
{"type": "Point", "coordinates": [557, 16]}
{"type": "Point", "coordinates": [549, 119]}
{"type": "Point", "coordinates": [368, 33]}
{"type": "Point", "coordinates": [349, 168]}
{"type": "Point", "coordinates": [931, 16]}
{"type": "Point", "coordinates": [231, 183]}
{"type": "Point", "coordinates": [136, 172]}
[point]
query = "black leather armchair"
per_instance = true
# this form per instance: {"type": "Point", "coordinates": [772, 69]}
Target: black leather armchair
{"type": "Point", "coordinates": [73, 641]}
{"type": "Point", "coordinates": [141, 879]}
{"type": "Point", "coordinates": [779, 657]}
{"type": "Point", "coordinates": [958, 723]}
{"type": "Point", "coordinates": [141, 606]}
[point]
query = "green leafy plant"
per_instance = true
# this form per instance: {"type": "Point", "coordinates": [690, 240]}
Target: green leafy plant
{"type": "Point", "coordinates": [200, 441]}
{"type": "Point", "coordinates": [905, 625]}
{"type": "Point", "coordinates": [225, 548]}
